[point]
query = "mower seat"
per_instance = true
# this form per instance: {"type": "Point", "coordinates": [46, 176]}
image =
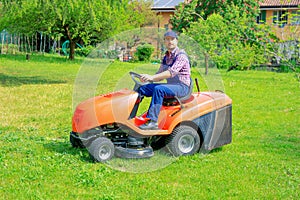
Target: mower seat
{"type": "Point", "coordinates": [172, 101]}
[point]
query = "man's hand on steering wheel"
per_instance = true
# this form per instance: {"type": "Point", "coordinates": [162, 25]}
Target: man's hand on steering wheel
{"type": "Point", "coordinates": [146, 78]}
{"type": "Point", "coordinates": [137, 78]}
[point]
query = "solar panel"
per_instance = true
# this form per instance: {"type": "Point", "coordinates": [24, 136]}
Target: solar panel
{"type": "Point", "coordinates": [166, 3]}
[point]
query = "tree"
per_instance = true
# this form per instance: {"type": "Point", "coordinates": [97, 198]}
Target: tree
{"type": "Point", "coordinates": [226, 29]}
{"type": "Point", "coordinates": [227, 42]}
{"type": "Point", "coordinates": [80, 20]}
{"type": "Point", "coordinates": [187, 13]}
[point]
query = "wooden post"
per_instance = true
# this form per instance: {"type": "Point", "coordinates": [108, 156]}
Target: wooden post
{"type": "Point", "coordinates": [27, 56]}
{"type": "Point", "coordinates": [36, 42]}
{"type": "Point", "coordinates": [32, 43]}
{"type": "Point", "coordinates": [6, 45]}
{"type": "Point", "coordinates": [28, 44]}
{"type": "Point", "coordinates": [41, 42]}
{"type": "Point", "coordinates": [2, 43]}
{"type": "Point", "coordinates": [45, 38]}
{"type": "Point", "coordinates": [49, 43]}
{"type": "Point", "coordinates": [18, 42]}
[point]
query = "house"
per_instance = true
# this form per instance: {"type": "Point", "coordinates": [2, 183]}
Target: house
{"type": "Point", "coordinates": [283, 15]}
{"type": "Point", "coordinates": [277, 12]}
{"type": "Point", "coordinates": [164, 9]}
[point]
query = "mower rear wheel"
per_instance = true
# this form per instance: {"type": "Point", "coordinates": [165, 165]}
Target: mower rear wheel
{"type": "Point", "coordinates": [184, 140]}
{"type": "Point", "coordinates": [101, 149]}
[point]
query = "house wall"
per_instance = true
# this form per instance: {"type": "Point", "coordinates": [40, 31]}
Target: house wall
{"type": "Point", "coordinates": [285, 32]}
{"type": "Point", "coordinates": [281, 32]}
{"type": "Point", "coordinates": [163, 24]}
{"type": "Point", "coordinates": [164, 20]}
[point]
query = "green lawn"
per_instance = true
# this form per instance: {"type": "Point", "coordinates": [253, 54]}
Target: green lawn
{"type": "Point", "coordinates": [37, 161]}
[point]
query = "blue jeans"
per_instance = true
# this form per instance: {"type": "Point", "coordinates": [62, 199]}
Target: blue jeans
{"type": "Point", "coordinates": [158, 92]}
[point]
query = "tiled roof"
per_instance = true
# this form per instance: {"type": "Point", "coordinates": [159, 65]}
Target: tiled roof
{"type": "Point", "coordinates": [280, 3]}
{"type": "Point", "coordinates": [165, 4]}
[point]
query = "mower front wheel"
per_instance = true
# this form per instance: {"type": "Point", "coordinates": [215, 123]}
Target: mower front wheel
{"type": "Point", "coordinates": [101, 149]}
{"type": "Point", "coordinates": [184, 140]}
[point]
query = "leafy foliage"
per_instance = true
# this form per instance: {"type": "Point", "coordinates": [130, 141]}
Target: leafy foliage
{"type": "Point", "coordinates": [228, 42]}
{"type": "Point", "coordinates": [144, 52]}
{"type": "Point", "coordinates": [80, 20]}
{"type": "Point", "coordinates": [226, 30]}
{"type": "Point", "coordinates": [8, 48]}
{"type": "Point", "coordinates": [201, 9]}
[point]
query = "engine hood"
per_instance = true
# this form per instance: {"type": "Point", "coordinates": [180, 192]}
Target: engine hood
{"type": "Point", "coordinates": [103, 109]}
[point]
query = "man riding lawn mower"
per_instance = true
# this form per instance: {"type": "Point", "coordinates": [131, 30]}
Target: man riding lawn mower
{"type": "Point", "coordinates": [177, 120]}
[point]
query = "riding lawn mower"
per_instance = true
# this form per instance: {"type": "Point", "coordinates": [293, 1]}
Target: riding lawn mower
{"type": "Point", "coordinates": [108, 125]}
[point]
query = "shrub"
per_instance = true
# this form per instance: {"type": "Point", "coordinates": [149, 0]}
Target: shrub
{"type": "Point", "coordinates": [84, 51]}
{"type": "Point", "coordinates": [144, 52]}
{"type": "Point", "coordinates": [9, 49]}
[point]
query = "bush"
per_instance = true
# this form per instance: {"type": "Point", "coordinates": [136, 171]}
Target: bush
{"type": "Point", "coordinates": [84, 51]}
{"type": "Point", "coordinates": [9, 49]}
{"type": "Point", "coordinates": [144, 52]}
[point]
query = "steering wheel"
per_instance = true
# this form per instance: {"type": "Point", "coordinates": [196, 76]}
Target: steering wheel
{"type": "Point", "coordinates": [136, 78]}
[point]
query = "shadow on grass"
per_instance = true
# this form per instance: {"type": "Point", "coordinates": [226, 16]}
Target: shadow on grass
{"type": "Point", "coordinates": [66, 148]}
{"type": "Point", "coordinates": [7, 80]}
{"type": "Point", "coordinates": [216, 150]}
{"type": "Point", "coordinates": [83, 154]}
{"type": "Point", "coordinates": [204, 152]}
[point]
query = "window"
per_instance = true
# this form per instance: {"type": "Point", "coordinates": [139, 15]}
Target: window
{"type": "Point", "coordinates": [261, 18]}
{"type": "Point", "coordinates": [280, 18]}
{"type": "Point", "coordinates": [295, 17]}
{"type": "Point", "coordinates": [166, 26]}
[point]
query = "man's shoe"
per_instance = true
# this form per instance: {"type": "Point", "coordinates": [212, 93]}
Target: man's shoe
{"type": "Point", "coordinates": [150, 126]}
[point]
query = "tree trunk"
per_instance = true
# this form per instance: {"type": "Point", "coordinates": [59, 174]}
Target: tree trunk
{"type": "Point", "coordinates": [72, 43]}
{"type": "Point", "coordinates": [72, 50]}
{"type": "Point", "coordinates": [206, 63]}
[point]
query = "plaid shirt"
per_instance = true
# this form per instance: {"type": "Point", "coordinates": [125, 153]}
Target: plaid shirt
{"type": "Point", "coordinates": [178, 64]}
